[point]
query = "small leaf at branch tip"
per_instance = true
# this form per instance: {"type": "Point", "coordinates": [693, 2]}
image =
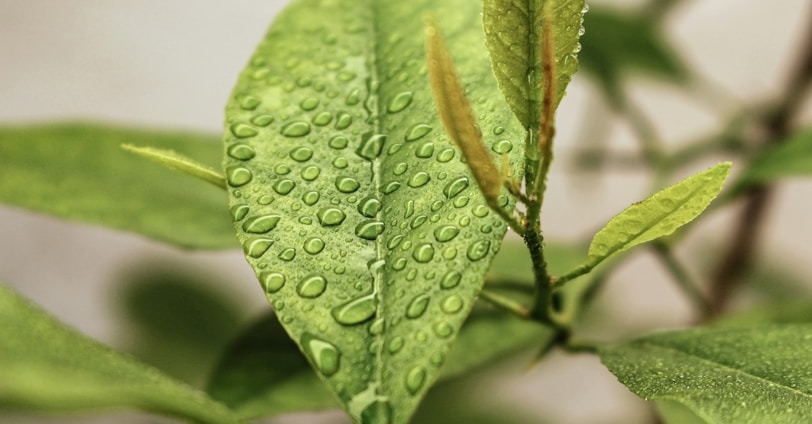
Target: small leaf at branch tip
{"type": "Point", "coordinates": [178, 162]}
{"type": "Point", "coordinates": [457, 116]}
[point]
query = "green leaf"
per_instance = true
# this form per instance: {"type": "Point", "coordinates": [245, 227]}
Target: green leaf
{"type": "Point", "coordinates": [742, 375]}
{"type": "Point", "coordinates": [78, 171]}
{"type": "Point", "coordinates": [264, 374]}
{"type": "Point", "coordinates": [355, 210]}
{"type": "Point", "coordinates": [674, 412]}
{"type": "Point", "coordinates": [173, 160]}
{"type": "Point", "coordinates": [514, 34]}
{"type": "Point", "coordinates": [658, 216]}
{"type": "Point", "coordinates": [47, 366]}
{"type": "Point", "coordinates": [790, 158]}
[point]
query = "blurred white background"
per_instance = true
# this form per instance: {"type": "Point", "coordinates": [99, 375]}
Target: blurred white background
{"type": "Point", "coordinates": [172, 64]}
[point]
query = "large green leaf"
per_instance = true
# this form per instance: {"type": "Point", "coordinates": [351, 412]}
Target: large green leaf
{"type": "Point", "coordinates": [358, 215]}
{"type": "Point", "coordinates": [791, 158]}
{"type": "Point", "coordinates": [78, 171]}
{"type": "Point", "coordinates": [742, 375]}
{"type": "Point", "coordinates": [47, 366]}
{"type": "Point", "coordinates": [514, 33]}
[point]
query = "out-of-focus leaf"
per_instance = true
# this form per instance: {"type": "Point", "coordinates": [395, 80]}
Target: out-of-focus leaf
{"type": "Point", "coordinates": [797, 311]}
{"type": "Point", "coordinates": [754, 375]}
{"type": "Point", "coordinates": [78, 171]}
{"type": "Point", "coordinates": [791, 158]}
{"type": "Point", "coordinates": [674, 412]}
{"type": "Point", "coordinates": [48, 367]}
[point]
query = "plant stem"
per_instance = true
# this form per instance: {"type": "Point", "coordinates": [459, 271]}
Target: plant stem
{"type": "Point", "coordinates": [681, 277]}
{"type": "Point", "coordinates": [505, 303]}
{"type": "Point", "coordinates": [776, 126]}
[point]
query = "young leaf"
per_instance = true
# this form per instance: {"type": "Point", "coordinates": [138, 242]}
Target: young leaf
{"type": "Point", "coordinates": [357, 213]}
{"type": "Point", "coordinates": [78, 171]}
{"type": "Point", "coordinates": [514, 36]}
{"type": "Point", "coordinates": [47, 366]}
{"type": "Point", "coordinates": [791, 158]}
{"type": "Point", "coordinates": [742, 375]}
{"type": "Point", "coordinates": [658, 216]}
{"type": "Point", "coordinates": [176, 161]}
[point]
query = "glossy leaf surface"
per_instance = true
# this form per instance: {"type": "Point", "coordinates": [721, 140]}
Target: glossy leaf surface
{"type": "Point", "coordinates": [47, 366]}
{"type": "Point", "coordinates": [353, 207]}
{"type": "Point", "coordinates": [744, 375]}
{"type": "Point", "coordinates": [659, 215]}
{"type": "Point", "coordinates": [78, 171]}
{"type": "Point", "coordinates": [514, 35]}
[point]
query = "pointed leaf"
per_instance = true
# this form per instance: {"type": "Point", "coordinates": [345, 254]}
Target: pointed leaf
{"type": "Point", "coordinates": [514, 36]}
{"type": "Point", "coordinates": [790, 158]}
{"type": "Point", "coordinates": [47, 366]}
{"type": "Point", "coordinates": [78, 171]}
{"type": "Point", "coordinates": [744, 375]}
{"type": "Point", "coordinates": [173, 160]}
{"type": "Point", "coordinates": [659, 215]}
{"type": "Point", "coordinates": [355, 210]}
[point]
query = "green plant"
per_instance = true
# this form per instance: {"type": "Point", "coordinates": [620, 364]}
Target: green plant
{"type": "Point", "coordinates": [370, 186]}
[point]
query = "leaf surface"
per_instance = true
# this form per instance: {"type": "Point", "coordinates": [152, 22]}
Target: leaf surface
{"type": "Point", "coordinates": [78, 171]}
{"type": "Point", "coordinates": [514, 36]}
{"type": "Point", "coordinates": [353, 207]}
{"type": "Point", "coordinates": [659, 215]}
{"type": "Point", "coordinates": [743, 375]}
{"type": "Point", "coordinates": [791, 158]}
{"type": "Point", "coordinates": [47, 366]}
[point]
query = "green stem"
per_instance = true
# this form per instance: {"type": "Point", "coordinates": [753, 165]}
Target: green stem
{"type": "Point", "coordinates": [505, 303]}
{"type": "Point", "coordinates": [681, 277]}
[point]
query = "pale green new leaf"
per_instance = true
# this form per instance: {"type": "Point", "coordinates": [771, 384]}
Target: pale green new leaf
{"type": "Point", "coordinates": [48, 367]}
{"type": "Point", "coordinates": [78, 171]}
{"type": "Point", "coordinates": [356, 211]}
{"type": "Point", "coordinates": [790, 158]}
{"type": "Point", "coordinates": [742, 375]}
{"type": "Point", "coordinates": [514, 36]}
{"type": "Point", "coordinates": [658, 216]}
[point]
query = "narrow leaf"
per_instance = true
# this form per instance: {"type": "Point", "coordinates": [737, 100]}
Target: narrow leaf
{"type": "Point", "coordinates": [176, 161]}
{"type": "Point", "coordinates": [790, 158]}
{"type": "Point", "coordinates": [47, 366]}
{"type": "Point", "coordinates": [355, 210]}
{"type": "Point", "coordinates": [659, 215]}
{"type": "Point", "coordinates": [514, 36]}
{"type": "Point", "coordinates": [79, 172]}
{"type": "Point", "coordinates": [743, 375]}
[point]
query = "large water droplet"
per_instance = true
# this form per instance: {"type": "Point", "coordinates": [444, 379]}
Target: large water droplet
{"type": "Point", "coordinates": [330, 216]}
{"type": "Point", "coordinates": [257, 247]}
{"type": "Point", "coordinates": [503, 146]}
{"type": "Point", "coordinates": [238, 176]}
{"type": "Point", "coordinates": [369, 230]}
{"type": "Point", "coordinates": [423, 253]}
{"type": "Point", "coordinates": [262, 120]}
{"type": "Point", "coordinates": [311, 197]}
{"type": "Point", "coordinates": [284, 186]}
{"type": "Point", "coordinates": [249, 103]}
{"type": "Point", "coordinates": [369, 207]}
{"type": "Point", "coordinates": [261, 224]}
{"type": "Point", "coordinates": [417, 307]}
{"type": "Point", "coordinates": [343, 121]}
{"type": "Point", "coordinates": [347, 184]}
{"type": "Point", "coordinates": [312, 286]}
{"type": "Point", "coordinates": [396, 344]}
{"type": "Point", "coordinates": [451, 280]}
{"type": "Point", "coordinates": [322, 118]}
{"type": "Point", "coordinates": [243, 130]}
{"type": "Point", "coordinates": [353, 98]}
{"type": "Point", "coordinates": [400, 102]}
{"type": "Point", "coordinates": [417, 131]}
{"type": "Point", "coordinates": [356, 311]}
{"type": "Point", "coordinates": [443, 329]}
{"type": "Point", "coordinates": [272, 281]}
{"type": "Point", "coordinates": [309, 103]}
{"type": "Point", "coordinates": [287, 255]}
{"type": "Point", "coordinates": [446, 233]}
{"type": "Point", "coordinates": [419, 179]}
{"type": "Point", "coordinates": [446, 155]}
{"type": "Point", "coordinates": [478, 250]}
{"type": "Point", "coordinates": [451, 304]}
{"type": "Point", "coordinates": [301, 154]}
{"type": "Point", "coordinates": [338, 142]}
{"type": "Point", "coordinates": [296, 129]}
{"type": "Point", "coordinates": [371, 146]}
{"type": "Point", "coordinates": [239, 212]}
{"type": "Point", "coordinates": [241, 151]}
{"type": "Point", "coordinates": [324, 355]}
{"type": "Point", "coordinates": [313, 245]}
{"type": "Point", "coordinates": [455, 187]}
{"type": "Point", "coordinates": [378, 412]}
{"type": "Point", "coordinates": [394, 241]}
{"type": "Point", "coordinates": [390, 187]}
{"type": "Point", "coordinates": [310, 173]}
{"type": "Point", "coordinates": [415, 379]}
{"type": "Point", "coordinates": [425, 150]}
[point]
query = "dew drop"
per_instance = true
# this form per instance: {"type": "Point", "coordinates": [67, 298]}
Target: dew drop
{"type": "Point", "coordinates": [301, 154]}
{"type": "Point", "coordinates": [369, 230]}
{"type": "Point", "coordinates": [503, 146]}
{"type": "Point", "coordinates": [446, 155]}
{"type": "Point", "coordinates": [369, 207]}
{"type": "Point", "coordinates": [338, 142]}
{"type": "Point", "coordinates": [450, 280]}
{"type": "Point", "coordinates": [480, 211]}
{"type": "Point", "coordinates": [478, 250]}
{"type": "Point", "coordinates": [498, 130]}
{"type": "Point", "coordinates": [311, 287]}
{"type": "Point", "coordinates": [311, 197]}
{"type": "Point", "coordinates": [419, 179]}
{"type": "Point", "coordinates": [238, 176]}
{"type": "Point", "coordinates": [282, 169]}
{"type": "Point", "coordinates": [390, 187]}
{"type": "Point", "coordinates": [437, 359]}
{"type": "Point", "coordinates": [455, 187]}
{"type": "Point", "coordinates": [376, 327]}
{"type": "Point", "coordinates": [399, 264]}
{"type": "Point", "coordinates": [249, 103]}
{"type": "Point", "coordinates": [340, 163]}
{"type": "Point", "coordinates": [322, 118]}
{"type": "Point", "coordinates": [394, 241]}
{"type": "Point", "coordinates": [310, 173]}
{"type": "Point", "coordinates": [347, 184]}
{"type": "Point", "coordinates": [461, 202]}
{"type": "Point", "coordinates": [243, 130]}
{"type": "Point", "coordinates": [313, 245]}
{"type": "Point", "coordinates": [288, 254]}
{"type": "Point", "coordinates": [330, 216]}
{"type": "Point", "coordinates": [416, 132]}
{"type": "Point", "coordinates": [241, 151]}
{"type": "Point", "coordinates": [443, 329]}
{"type": "Point", "coordinates": [396, 344]}
{"type": "Point", "coordinates": [425, 150]}
{"type": "Point", "coordinates": [356, 311]}
{"type": "Point", "coordinates": [296, 129]}
{"type": "Point", "coordinates": [261, 224]}
{"type": "Point", "coordinates": [272, 282]}
{"type": "Point", "coordinates": [423, 253]}
{"type": "Point", "coordinates": [415, 379]}
{"type": "Point", "coordinates": [284, 186]}
{"type": "Point", "coordinates": [371, 146]}
{"type": "Point", "coordinates": [353, 98]}
{"type": "Point", "coordinates": [309, 104]}
{"type": "Point", "coordinates": [343, 121]}
{"type": "Point", "coordinates": [238, 212]}
{"type": "Point", "coordinates": [417, 307]}
{"type": "Point", "coordinates": [378, 412]}
{"type": "Point", "coordinates": [262, 120]}
{"type": "Point", "coordinates": [418, 221]}
{"type": "Point", "coordinates": [257, 247]}
{"type": "Point", "coordinates": [400, 102]}
{"type": "Point", "coordinates": [324, 355]}
{"type": "Point", "coordinates": [452, 304]}
{"type": "Point", "coordinates": [446, 233]}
